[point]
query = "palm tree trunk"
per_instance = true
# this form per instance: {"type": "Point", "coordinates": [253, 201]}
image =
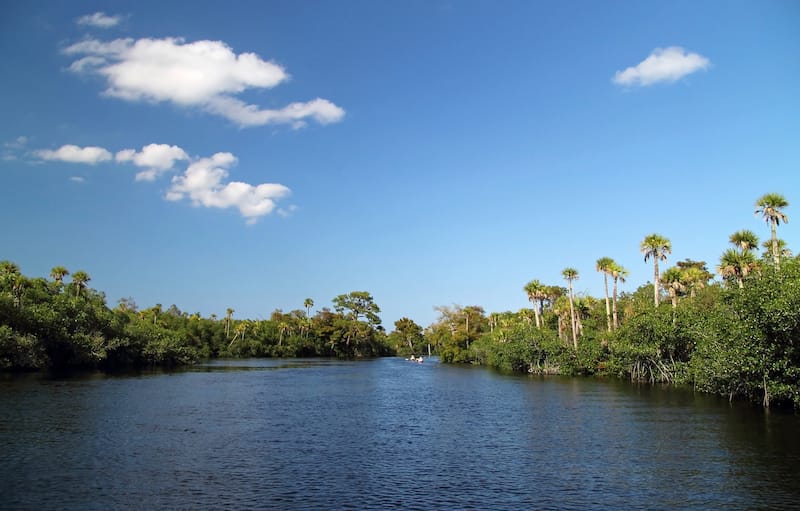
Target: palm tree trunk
{"type": "Point", "coordinates": [608, 307]}
{"type": "Point", "coordinates": [614, 305]}
{"type": "Point", "coordinates": [655, 280]}
{"type": "Point", "coordinates": [775, 255]}
{"type": "Point", "coordinates": [572, 317]}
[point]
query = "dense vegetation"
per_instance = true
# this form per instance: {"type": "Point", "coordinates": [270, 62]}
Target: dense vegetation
{"type": "Point", "coordinates": [738, 338]}
{"type": "Point", "coordinates": [52, 324]}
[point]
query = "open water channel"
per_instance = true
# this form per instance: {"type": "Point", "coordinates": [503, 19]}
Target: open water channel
{"type": "Point", "coordinates": [383, 434]}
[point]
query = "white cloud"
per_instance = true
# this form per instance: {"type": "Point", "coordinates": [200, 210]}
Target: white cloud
{"type": "Point", "coordinates": [662, 65]}
{"type": "Point", "coordinates": [202, 183]}
{"type": "Point", "coordinates": [77, 179]}
{"type": "Point", "coordinates": [99, 20]}
{"type": "Point", "coordinates": [154, 158]}
{"type": "Point", "coordinates": [204, 74]}
{"type": "Point", "coordinates": [321, 110]}
{"type": "Point", "coordinates": [74, 154]}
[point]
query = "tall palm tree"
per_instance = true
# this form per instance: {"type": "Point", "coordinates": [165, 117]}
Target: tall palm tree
{"type": "Point", "coordinates": [80, 278]}
{"type": "Point", "coordinates": [605, 265]}
{"type": "Point", "coordinates": [770, 207]}
{"type": "Point", "coordinates": [536, 292]}
{"type": "Point", "coordinates": [619, 274]}
{"type": "Point", "coordinates": [308, 303]}
{"type": "Point", "coordinates": [228, 315]}
{"type": "Point", "coordinates": [745, 240]}
{"type": "Point", "coordinates": [58, 273]}
{"type": "Point", "coordinates": [657, 247]}
{"type": "Point", "coordinates": [571, 274]}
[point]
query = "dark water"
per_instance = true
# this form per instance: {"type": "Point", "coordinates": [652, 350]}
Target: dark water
{"type": "Point", "coordinates": [384, 434]}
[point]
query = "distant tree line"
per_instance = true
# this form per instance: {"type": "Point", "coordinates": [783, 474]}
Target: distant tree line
{"type": "Point", "coordinates": [53, 323]}
{"type": "Point", "coordinates": [739, 338]}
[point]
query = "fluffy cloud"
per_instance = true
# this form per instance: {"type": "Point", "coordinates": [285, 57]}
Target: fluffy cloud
{"type": "Point", "coordinates": [99, 20]}
{"type": "Point", "coordinates": [202, 183]}
{"type": "Point", "coordinates": [74, 154]}
{"type": "Point", "coordinates": [205, 74]}
{"type": "Point", "coordinates": [154, 158]}
{"type": "Point", "coordinates": [662, 65]}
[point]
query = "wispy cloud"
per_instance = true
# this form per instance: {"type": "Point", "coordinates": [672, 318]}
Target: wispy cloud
{"type": "Point", "coordinates": [203, 183]}
{"type": "Point", "coordinates": [662, 65]}
{"type": "Point", "coordinates": [203, 74]}
{"type": "Point", "coordinates": [13, 148]}
{"type": "Point", "coordinates": [154, 158]}
{"type": "Point", "coordinates": [73, 154]}
{"type": "Point", "coordinates": [99, 20]}
{"type": "Point", "coordinates": [77, 179]}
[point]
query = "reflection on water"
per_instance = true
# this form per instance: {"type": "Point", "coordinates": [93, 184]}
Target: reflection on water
{"type": "Point", "coordinates": [326, 434]}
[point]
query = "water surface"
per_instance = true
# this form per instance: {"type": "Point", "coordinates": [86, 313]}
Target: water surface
{"type": "Point", "coordinates": [383, 434]}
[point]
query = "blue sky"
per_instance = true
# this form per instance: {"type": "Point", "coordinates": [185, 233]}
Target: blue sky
{"type": "Point", "coordinates": [431, 153]}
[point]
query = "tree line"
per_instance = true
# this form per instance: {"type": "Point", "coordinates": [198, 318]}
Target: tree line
{"type": "Point", "coordinates": [739, 337]}
{"type": "Point", "coordinates": [53, 324]}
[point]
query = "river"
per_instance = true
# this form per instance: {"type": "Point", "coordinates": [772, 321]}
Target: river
{"type": "Point", "coordinates": [383, 434]}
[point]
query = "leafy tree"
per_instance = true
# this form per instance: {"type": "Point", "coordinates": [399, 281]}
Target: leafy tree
{"type": "Point", "coordinates": [407, 336]}
{"type": "Point", "coordinates": [358, 304]}
{"type": "Point", "coordinates": [770, 206]}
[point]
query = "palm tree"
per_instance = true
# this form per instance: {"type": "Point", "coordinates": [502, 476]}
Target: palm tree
{"type": "Point", "coordinates": [736, 266]}
{"type": "Point", "coordinates": [783, 250]}
{"type": "Point", "coordinates": [8, 271]}
{"type": "Point", "coordinates": [694, 278]}
{"type": "Point", "coordinates": [58, 273]}
{"type": "Point", "coordinates": [536, 292]}
{"type": "Point", "coordinates": [571, 274]}
{"type": "Point", "coordinates": [672, 279]}
{"type": "Point", "coordinates": [228, 315]}
{"type": "Point", "coordinates": [605, 264]}
{"type": "Point", "coordinates": [308, 303]}
{"type": "Point", "coordinates": [18, 285]}
{"type": "Point", "coordinates": [80, 278]}
{"type": "Point", "coordinates": [745, 240]}
{"type": "Point", "coordinates": [657, 247]}
{"type": "Point", "coordinates": [619, 274]}
{"type": "Point", "coordinates": [769, 206]}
